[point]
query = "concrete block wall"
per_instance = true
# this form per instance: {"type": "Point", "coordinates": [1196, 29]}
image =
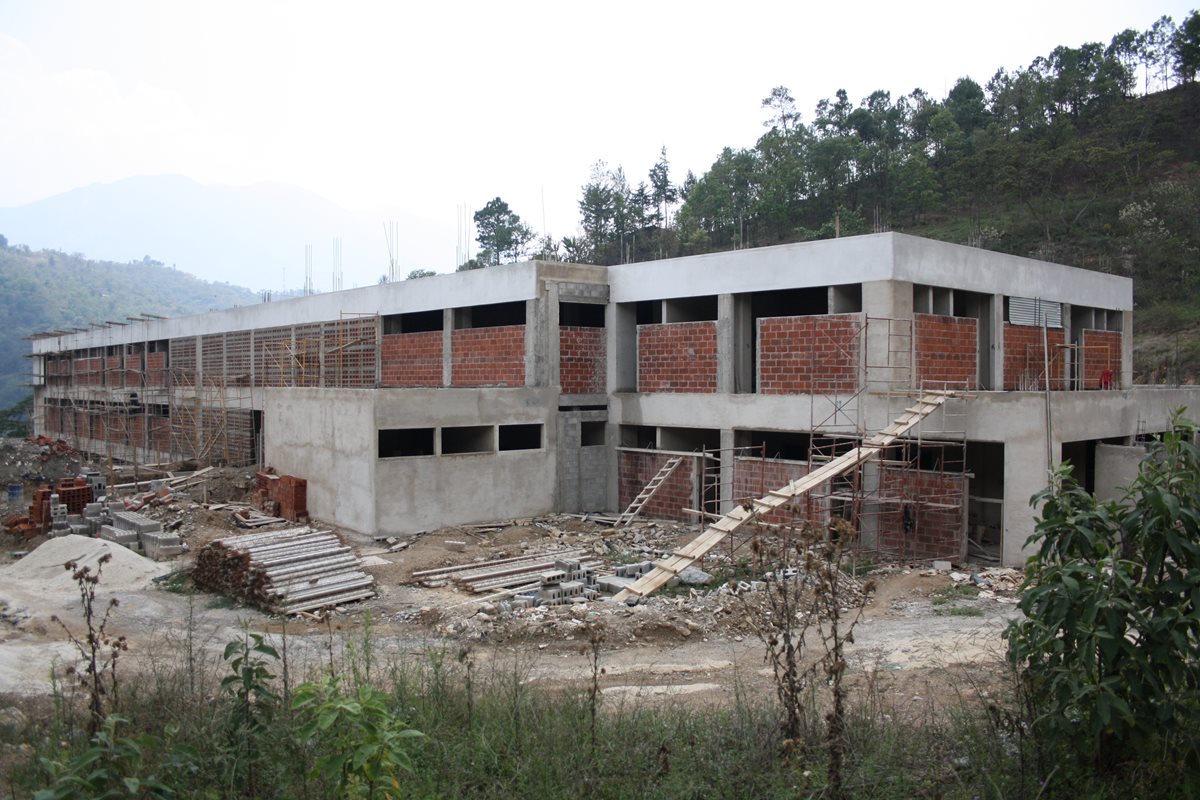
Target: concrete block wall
{"type": "Point", "coordinates": [183, 361]}
{"type": "Point", "coordinates": [635, 468]}
{"type": "Point", "coordinates": [947, 351]}
{"type": "Point", "coordinates": [306, 356]}
{"type": "Point", "coordinates": [1025, 360]}
{"type": "Point", "coordinates": [810, 354]}
{"type": "Point", "coordinates": [677, 357]}
{"type": "Point", "coordinates": [238, 358]}
{"type": "Point", "coordinates": [936, 532]}
{"type": "Point", "coordinates": [411, 359]}
{"type": "Point", "coordinates": [212, 359]}
{"type": "Point", "coordinates": [582, 472]}
{"type": "Point", "coordinates": [350, 351]}
{"type": "Point", "coordinates": [754, 477]}
{"type": "Point", "coordinates": [488, 356]}
{"type": "Point", "coordinates": [581, 359]}
{"type": "Point", "coordinates": [272, 357]}
{"type": "Point", "coordinates": [1101, 359]}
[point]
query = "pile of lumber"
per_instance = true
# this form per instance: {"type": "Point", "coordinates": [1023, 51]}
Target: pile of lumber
{"type": "Point", "coordinates": [284, 572]}
{"type": "Point", "coordinates": [501, 573]}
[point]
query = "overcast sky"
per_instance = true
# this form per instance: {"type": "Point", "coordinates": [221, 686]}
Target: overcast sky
{"type": "Point", "coordinates": [426, 106]}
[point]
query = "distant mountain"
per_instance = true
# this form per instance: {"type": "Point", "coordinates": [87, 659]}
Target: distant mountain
{"type": "Point", "coordinates": [46, 290]}
{"type": "Point", "coordinates": [251, 235]}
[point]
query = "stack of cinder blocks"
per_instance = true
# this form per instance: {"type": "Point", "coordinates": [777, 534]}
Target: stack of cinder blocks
{"type": "Point", "coordinates": [625, 575]}
{"type": "Point", "coordinates": [59, 525]}
{"type": "Point", "coordinates": [139, 532]}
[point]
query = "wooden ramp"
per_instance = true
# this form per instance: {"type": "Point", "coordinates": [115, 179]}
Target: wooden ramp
{"type": "Point", "coordinates": [694, 550]}
{"type": "Point", "coordinates": [658, 480]}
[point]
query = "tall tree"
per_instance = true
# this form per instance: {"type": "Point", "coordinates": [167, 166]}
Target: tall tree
{"type": "Point", "coordinates": [501, 232]}
{"type": "Point", "coordinates": [663, 195]}
{"type": "Point", "coordinates": [1186, 48]}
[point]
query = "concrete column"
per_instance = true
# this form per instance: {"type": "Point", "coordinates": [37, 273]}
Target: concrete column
{"type": "Point", "coordinates": [536, 341]}
{"type": "Point", "coordinates": [1126, 349]}
{"type": "Point", "coordinates": [447, 348]}
{"type": "Point", "coordinates": [744, 345]}
{"type": "Point", "coordinates": [553, 340]}
{"type": "Point", "coordinates": [1072, 358]}
{"type": "Point", "coordinates": [890, 300]}
{"type": "Point", "coordinates": [726, 352]}
{"type": "Point", "coordinates": [621, 332]}
{"type": "Point", "coordinates": [727, 459]}
{"type": "Point", "coordinates": [997, 323]}
{"type": "Point", "coordinates": [1025, 471]}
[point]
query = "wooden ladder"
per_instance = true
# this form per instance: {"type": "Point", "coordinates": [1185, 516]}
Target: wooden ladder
{"type": "Point", "coordinates": [694, 550]}
{"type": "Point", "coordinates": [647, 492]}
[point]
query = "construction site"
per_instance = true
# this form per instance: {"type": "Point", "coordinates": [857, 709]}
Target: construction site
{"type": "Point", "coordinates": [505, 453]}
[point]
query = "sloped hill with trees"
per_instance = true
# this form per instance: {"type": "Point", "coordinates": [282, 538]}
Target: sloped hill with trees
{"type": "Point", "coordinates": [46, 290]}
{"type": "Point", "coordinates": [1087, 157]}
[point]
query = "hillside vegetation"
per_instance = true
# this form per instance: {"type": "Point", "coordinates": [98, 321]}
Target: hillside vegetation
{"type": "Point", "coordinates": [47, 290]}
{"type": "Point", "coordinates": [1086, 157]}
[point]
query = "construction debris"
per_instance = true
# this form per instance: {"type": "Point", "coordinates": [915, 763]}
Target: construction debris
{"type": "Point", "coordinates": [288, 571]}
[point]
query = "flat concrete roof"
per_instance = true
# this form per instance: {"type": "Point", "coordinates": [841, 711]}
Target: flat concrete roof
{"type": "Point", "coordinates": [860, 259]}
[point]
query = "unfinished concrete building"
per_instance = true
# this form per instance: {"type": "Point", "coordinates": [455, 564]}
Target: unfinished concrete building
{"type": "Point", "coordinates": [538, 387]}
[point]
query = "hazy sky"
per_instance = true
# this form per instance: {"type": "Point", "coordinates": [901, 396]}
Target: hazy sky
{"type": "Point", "coordinates": [426, 106]}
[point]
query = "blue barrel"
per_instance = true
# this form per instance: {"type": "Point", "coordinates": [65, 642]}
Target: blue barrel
{"type": "Point", "coordinates": [15, 492]}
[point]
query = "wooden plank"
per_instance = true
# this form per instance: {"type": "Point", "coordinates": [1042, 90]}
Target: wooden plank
{"type": "Point", "coordinates": [715, 533]}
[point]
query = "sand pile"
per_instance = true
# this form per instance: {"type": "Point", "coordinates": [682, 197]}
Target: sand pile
{"type": "Point", "coordinates": [44, 566]}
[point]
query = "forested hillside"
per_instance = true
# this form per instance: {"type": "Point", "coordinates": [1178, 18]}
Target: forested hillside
{"type": "Point", "coordinates": [1088, 157]}
{"type": "Point", "coordinates": [46, 289]}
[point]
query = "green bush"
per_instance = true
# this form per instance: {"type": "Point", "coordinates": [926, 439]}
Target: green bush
{"type": "Point", "coordinates": [1108, 644]}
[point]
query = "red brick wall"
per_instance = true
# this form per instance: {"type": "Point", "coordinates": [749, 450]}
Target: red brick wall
{"type": "Point", "coordinates": [635, 468]}
{"type": "Point", "coordinates": [81, 425]}
{"type": "Point", "coordinates": [488, 356]}
{"type": "Point", "coordinates": [136, 428]}
{"type": "Point", "coordinates": [678, 357]}
{"type": "Point", "coordinates": [1101, 352]}
{"type": "Point", "coordinates": [1024, 358]}
{"type": "Point", "coordinates": [113, 371]}
{"type": "Point", "coordinates": [581, 363]}
{"type": "Point", "coordinates": [811, 354]}
{"type": "Point", "coordinates": [52, 419]}
{"type": "Point", "coordinates": [937, 532]}
{"type": "Point", "coordinates": [160, 434]}
{"type": "Point", "coordinates": [755, 477]}
{"type": "Point", "coordinates": [156, 369]}
{"type": "Point", "coordinates": [947, 351]}
{"type": "Point", "coordinates": [89, 371]}
{"type": "Point", "coordinates": [412, 359]}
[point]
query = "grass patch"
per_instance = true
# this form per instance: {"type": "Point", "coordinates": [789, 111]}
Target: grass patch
{"type": "Point", "coordinates": [959, 591]}
{"type": "Point", "coordinates": [223, 601]}
{"type": "Point", "coordinates": [958, 611]}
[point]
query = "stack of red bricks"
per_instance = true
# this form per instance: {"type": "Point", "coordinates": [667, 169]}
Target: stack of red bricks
{"type": "Point", "coordinates": [809, 355]}
{"type": "Point", "coordinates": [282, 495]}
{"type": "Point", "coordinates": [488, 356]}
{"type": "Point", "coordinates": [581, 359]}
{"type": "Point", "coordinates": [677, 357]}
{"type": "Point", "coordinates": [947, 351]}
{"type": "Point", "coordinates": [412, 359]}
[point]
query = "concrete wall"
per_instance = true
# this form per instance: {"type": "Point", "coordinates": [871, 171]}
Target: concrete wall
{"type": "Point", "coordinates": [326, 436]}
{"type": "Point", "coordinates": [583, 470]}
{"type": "Point", "coordinates": [425, 492]}
{"type": "Point", "coordinates": [1116, 468]}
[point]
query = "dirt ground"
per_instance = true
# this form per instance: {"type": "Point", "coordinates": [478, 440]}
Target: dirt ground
{"type": "Point", "coordinates": [923, 633]}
